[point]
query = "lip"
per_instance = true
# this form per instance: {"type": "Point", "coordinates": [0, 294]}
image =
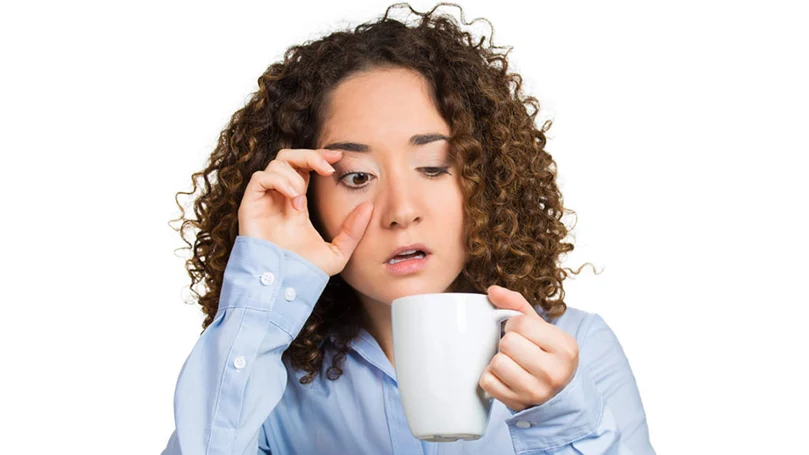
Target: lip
{"type": "Point", "coordinates": [415, 246]}
{"type": "Point", "coordinates": [407, 267]}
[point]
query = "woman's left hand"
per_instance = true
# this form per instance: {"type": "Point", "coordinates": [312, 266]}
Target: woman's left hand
{"type": "Point", "coordinates": [536, 359]}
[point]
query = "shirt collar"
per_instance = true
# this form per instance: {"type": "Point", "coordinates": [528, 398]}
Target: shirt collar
{"type": "Point", "coordinates": [366, 347]}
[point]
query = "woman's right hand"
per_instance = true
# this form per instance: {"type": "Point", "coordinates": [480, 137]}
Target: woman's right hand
{"type": "Point", "coordinates": [274, 208]}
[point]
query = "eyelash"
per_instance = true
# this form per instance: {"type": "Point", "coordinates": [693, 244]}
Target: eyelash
{"type": "Point", "coordinates": [432, 173]}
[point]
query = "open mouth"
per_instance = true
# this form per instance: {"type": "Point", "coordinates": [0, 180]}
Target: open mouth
{"type": "Point", "coordinates": [407, 255]}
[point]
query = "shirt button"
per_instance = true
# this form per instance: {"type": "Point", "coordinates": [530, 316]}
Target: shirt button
{"type": "Point", "coordinates": [289, 294]}
{"type": "Point", "coordinates": [267, 278]}
{"type": "Point", "coordinates": [239, 362]}
{"type": "Point", "coordinates": [523, 424]}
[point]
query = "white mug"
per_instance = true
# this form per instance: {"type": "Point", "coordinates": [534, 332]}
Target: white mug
{"type": "Point", "coordinates": [441, 344]}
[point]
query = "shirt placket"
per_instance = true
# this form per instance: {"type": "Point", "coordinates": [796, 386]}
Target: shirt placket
{"type": "Point", "coordinates": [403, 441]}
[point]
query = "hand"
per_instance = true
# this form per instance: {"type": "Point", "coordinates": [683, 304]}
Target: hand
{"type": "Point", "coordinates": [536, 359]}
{"type": "Point", "coordinates": [274, 208]}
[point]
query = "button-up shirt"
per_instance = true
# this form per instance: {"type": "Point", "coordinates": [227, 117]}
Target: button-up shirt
{"type": "Point", "coordinates": [235, 394]}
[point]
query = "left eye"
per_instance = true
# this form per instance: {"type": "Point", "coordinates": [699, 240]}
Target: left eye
{"type": "Point", "coordinates": [359, 180]}
{"type": "Point", "coordinates": [434, 171]}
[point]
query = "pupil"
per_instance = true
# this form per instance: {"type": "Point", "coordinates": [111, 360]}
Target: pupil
{"type": "Point", "coordinates": [360, 177]}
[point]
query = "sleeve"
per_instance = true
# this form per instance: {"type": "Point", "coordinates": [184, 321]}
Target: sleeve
{"type": "Point", "coordinates": [234, 376]}
{"type": "Point", "coordinates": [598, 412]}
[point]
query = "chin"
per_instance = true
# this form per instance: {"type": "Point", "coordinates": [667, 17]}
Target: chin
{"type": "Point", "coordinates": [406, 290]}
{"type": "Point", "coordinates": [386, 289]}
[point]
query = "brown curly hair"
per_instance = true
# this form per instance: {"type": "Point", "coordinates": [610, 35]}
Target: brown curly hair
{"type": "Point", "coordinates": [513, 208]}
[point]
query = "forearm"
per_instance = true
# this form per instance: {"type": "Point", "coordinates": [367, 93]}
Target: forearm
{"type": "Point", "coordinates": [598, 412]}
{"type": "Point", "coordinates": [234, 376]}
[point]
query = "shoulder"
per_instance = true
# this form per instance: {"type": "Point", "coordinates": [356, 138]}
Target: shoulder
{"type": "Point", "coordinates": [598, 344]}
{"type": "Point", "coordinates": [579, 323]}
{"type": "Point", "coordinates": [594, 336]}
{"type": "Point", "coordinates": [602, 359]}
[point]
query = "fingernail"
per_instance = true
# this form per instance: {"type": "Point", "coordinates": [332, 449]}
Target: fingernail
{"type": "Point", "coordinates": [335, 152]}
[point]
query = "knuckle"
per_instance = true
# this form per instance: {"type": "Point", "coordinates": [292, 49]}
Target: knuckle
{"type": "Point", "coordinates": [520, 323]}
{"type": "Point", "coordinates": [571, 349]}
{"type": "Point", "coordinates": [283, 154]}
{"type": "Point", "coordinates": [538, 395]}
{"type": "Point", "coordinates": [485, 380]}
{"type": "Point", "coordinates": [508, 342]}
{"type": "Point", "coordinates": [510, 325]}
{"type": "Point", "coordinates": [275, 165]}
{"type": "Point", "coordinates": [574, 352]}
{"type": "Point", "coordinates": [499, 362]}
{"type": "Point", "coordinates": [556, 378]}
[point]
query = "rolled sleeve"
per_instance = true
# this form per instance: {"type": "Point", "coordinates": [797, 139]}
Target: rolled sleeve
{"type": "Point", "coordinates": [598, 413]}
{"type": "Point", "coordinates": [262, 276]}
{"type": "Point", "coordinates": [572, 414]}
{"type": "Point", "coordinates": [235, 376]}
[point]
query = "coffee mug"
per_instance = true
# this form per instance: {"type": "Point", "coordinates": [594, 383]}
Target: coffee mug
{"type": "Point", "coordinates": [441, 344]}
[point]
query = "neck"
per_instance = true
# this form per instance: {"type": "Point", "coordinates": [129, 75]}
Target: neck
{"type": "Point", "coordinates": [377, 321]}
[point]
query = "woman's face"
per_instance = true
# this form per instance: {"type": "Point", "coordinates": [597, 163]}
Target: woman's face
{"type": "Point", "coordinates": [397, 161]}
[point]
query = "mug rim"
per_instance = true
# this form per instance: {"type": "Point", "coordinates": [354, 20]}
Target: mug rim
{"type": "Point", "coordinates": [437, 294]}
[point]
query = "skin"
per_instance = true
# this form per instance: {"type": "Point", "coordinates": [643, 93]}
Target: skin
{"type": "Point", "coordinates": [383, 109]}
{"type": "Point", "coordinates": [536, 359]}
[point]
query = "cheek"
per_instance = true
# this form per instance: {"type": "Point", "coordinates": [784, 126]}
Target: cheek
{"type": "Point", "coordinates": [452, 204]}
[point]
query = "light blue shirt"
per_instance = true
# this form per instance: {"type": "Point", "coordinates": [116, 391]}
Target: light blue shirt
{"type": "Point", "coordinates": [234, 395]}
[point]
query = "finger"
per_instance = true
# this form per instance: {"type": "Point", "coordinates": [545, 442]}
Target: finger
{"type": "Point", "coordinates": [496, 388]}
{"type": "Point", "coordinates": [510, 300]}
{"type": "Point", "coordinates": [292, 176]}
{"type": "Point", "coordinates": [352, 230]}
{"type": "Point", "coordinates": [267, 181]}
{"type": "Point", "coordinates": [310, 160]}
{"type": "Point", "coordinates": [512, 375]}
{"type": "Point", "coordinates": [526, 354]}
{"type": "Point", "coordinates": [548, 337]}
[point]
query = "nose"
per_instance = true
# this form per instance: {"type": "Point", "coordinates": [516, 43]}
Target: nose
{"type": "Point", "coordinates": [401, 204]}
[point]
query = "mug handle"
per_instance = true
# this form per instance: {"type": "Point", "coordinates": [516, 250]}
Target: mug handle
{"type": "Point", "coordinates": [502, 315]}
{"type": "Point", "coordinates": [499, 316]}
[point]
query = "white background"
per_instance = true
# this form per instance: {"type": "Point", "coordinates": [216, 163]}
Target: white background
{"type": "Point", "coordinates": [680, 135]}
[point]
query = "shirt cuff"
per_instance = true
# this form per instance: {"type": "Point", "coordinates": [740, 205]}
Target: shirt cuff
{"type": "Point", "coordinates": [572, 414]}
{"type": "Point", "coordinates": [262, 276]}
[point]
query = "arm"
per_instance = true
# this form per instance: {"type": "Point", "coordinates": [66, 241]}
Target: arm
{"type": "Point", "coordinates": [234, 376]}
{"type": "Point", "coordinates": [598, 412]}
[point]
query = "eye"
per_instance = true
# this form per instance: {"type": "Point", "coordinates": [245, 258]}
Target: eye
{"type": "Point", "coordinates": [433, 172]}
{"type": "Point", "coordinates": [355, 180]}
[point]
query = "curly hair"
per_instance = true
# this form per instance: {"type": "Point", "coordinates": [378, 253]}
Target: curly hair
{"type": "Point", "coordinates": [512, 206]}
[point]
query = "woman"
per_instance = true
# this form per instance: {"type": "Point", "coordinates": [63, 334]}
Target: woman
{"type": "Point", "coordinates": [373, 164]}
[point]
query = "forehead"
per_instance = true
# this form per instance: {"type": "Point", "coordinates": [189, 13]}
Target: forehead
{"type": "Point", "coordinates": [381, 105]}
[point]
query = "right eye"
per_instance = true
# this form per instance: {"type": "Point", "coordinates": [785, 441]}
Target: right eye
{"type": "Point", "coordinates": [356, 180]}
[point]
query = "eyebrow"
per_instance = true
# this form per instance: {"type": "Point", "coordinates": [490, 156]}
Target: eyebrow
{"type": "Point", "coordinates": [418, 139]}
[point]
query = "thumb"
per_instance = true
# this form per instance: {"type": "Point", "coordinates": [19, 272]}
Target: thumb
{"type": "Point", "coordinates": [352, 231]}
{"type": "Point", "coordinates": [509, 300]}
